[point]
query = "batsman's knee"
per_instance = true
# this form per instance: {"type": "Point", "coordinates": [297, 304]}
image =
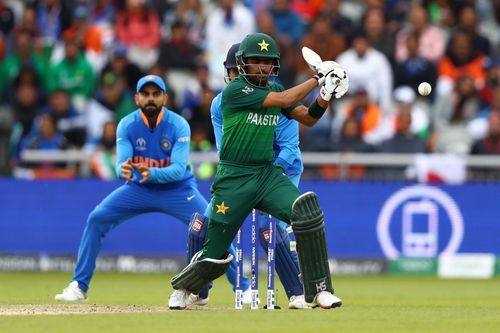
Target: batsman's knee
{"type": "Point", "coordinates": [306, 213]}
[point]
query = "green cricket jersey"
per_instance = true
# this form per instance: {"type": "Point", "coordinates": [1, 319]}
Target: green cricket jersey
{"type": "Point", "coordinates": [248, 128]}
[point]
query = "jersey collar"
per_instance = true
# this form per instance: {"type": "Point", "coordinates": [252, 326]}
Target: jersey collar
{"type": "Point", "coordinates": [158, 120]}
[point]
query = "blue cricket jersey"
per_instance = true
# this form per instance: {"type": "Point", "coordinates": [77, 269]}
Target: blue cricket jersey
{"type": "Point", "coordinates": [286, 139]}
{"type": "Point", "coordinates": [165, 148]}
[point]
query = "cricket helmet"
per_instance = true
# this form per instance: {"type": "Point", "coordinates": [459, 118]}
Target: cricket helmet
{"type": "Point", "coordinates": [257, 45]}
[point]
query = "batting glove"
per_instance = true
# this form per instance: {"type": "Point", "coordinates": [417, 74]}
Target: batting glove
{"type": "Point", "coordinates": [325, 68]}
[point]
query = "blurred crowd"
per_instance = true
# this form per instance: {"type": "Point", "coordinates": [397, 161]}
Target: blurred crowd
{"type": "Point", "coordinates": [68, 70]}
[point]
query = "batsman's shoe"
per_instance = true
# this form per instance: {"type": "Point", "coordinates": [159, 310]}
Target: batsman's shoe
{"type": "Point", "coordinates": [298, 303]}
{"type": "Point", "coordinates": [181, 299]}
{"type": "Point", "coordinates": [247, 296]}
{"type": "Point", "coordinates": [198, 300]}
{"type": "Point", "coordinates": [327, 300]}
{"type": "Point", "coordinates": [72, 294]}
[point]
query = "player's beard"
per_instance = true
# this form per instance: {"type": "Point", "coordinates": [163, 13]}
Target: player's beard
{"type": "Point", "coordinates": [151, 110]}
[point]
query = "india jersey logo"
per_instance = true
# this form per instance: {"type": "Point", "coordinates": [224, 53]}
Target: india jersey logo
{"type": "Point", "coordinates": [165, 144]}
{"type": "Point", "coordinates": [140, 144]}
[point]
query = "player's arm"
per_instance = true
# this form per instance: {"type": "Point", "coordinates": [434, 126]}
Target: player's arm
{"type": "Point", "coordinates": [179, 158]}
{"type": "Point", "coordinates": [287, 98]}
{"type": "Point", "coordinates": [216, 117]}
{"type": "Point", "coordinates": [287, 139]}
{"type": "Point", "coordinates": [124, 152]}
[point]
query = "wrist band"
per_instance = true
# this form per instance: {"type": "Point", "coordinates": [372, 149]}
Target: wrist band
{"type": "Point", "coordinates": [315, 110]}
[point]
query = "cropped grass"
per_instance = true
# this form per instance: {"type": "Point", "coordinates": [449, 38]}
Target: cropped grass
{"type": "Point", "coordinates": [371, 304]}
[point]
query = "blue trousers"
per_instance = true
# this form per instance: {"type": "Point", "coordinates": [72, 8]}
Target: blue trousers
{"type": "Point", "coordinates": [125, 202]}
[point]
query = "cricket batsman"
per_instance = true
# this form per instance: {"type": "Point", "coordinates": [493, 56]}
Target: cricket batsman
{"type": "Point", "coordinates": [246, 177]}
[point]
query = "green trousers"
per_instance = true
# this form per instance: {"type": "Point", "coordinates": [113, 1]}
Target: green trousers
{"type": "Point", "coordinates": [236, 190]}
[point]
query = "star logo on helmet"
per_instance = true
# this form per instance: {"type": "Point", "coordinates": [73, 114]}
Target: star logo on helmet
{"type": "Point", "coordinates": [263, 45]}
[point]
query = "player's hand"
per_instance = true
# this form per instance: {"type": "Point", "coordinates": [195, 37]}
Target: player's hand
{"type": "Point", "coordinates": [126, 169]}
{"type": "Point", "coordinates": [143, 170]}
{"type": "Point", "coordinates": [324, 69]}
{"type": "Point", "coordinates": [336, 84]}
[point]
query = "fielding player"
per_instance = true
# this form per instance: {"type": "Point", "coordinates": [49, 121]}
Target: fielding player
{"type": "Point", "coordinates": [152, 155]}
{"type": "Point", "coordinates": [286, 148]}
{"type": "Point", "coordinates": [246, 177]}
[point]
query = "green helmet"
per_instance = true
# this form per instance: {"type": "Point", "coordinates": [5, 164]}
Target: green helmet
{"type": "Point", "coordinates": [258, 45]}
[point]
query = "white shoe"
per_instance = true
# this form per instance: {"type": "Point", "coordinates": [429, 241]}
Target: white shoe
{"type": "Point", "coordinates": [327, 300]}
{"type": "Point", "coordinates": [200, 301]}
{"type": "Point", "coordinates": [298, 303]}
{"type": "Point", "coordinates": [181, 299]}
{"type": "Point", "coordinates": [247, 297]}
{"type": "Point", "coordinates": [72, 294]}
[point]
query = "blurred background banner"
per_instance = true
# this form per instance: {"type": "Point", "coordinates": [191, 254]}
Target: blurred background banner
{"type": "Point", "coordinates": [364, 219]}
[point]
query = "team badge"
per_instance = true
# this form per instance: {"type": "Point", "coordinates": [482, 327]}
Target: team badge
{"type": "Point", "coordinates": [222, 208]}
{"type": "Point", "coordinates": [263, 45]}
{"type": "Point", "coordinates": [140, 144]}
{"type": "Point", "coordinates": [165, 144]}
{"type": "Point", "coordinates": [197, 225]}
{"type": "Point", "coordinates": [247, 90]}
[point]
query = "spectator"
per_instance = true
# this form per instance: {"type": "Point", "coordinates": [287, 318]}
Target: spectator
{"type": "Point", "coordinates": [351, 139]}
{"type": "Point", "coordinates": [489, 145]}
{"type": "Point", "coordinates": [179, 52]}
{"type": "Point", "coordinates": [288, 24]}
{"type": "Point", "coordinates": [491, 67]}
{"type": "Point", "coordinates": [415, 69]}
{"type": "Point", "coordinates": [111, 103]}
{"type": "Point", "coordinates": [404, 141]}
{"type": "Point", "coordinates": [462, 59]}
{"type": "Point", "coordinates": [121, 66]}
{"type": "Point", "coordinates": [377, 33]}
{"type": "Point", "coordinates": [53, 17]}
{"type": "Point", "coordinates": [138, 27]}
{"type": "Point", "coordinates": [339, 23]}
{"type": "Point", "coordinates": [369, 68]}
{"type": "Point", "coordinates": [25, 98]}
{"type": "Point", "coordinates": [192, 13]}
{"type": "Point", "coordinates": [431, 39]}
{"type": "Point", "coordinates": [468, 24]}
{"type": "Point", "coordinates": [23, 54]}
{"type": "Point", "coordinates": [6, 18]}
{"type": "Point", "coordinates": [367, 113]}
{"type": "Point", "coordinates": [46, 137]}
{"type": "Point", "coordinates": [405, 98]}
{"type": "Point", "coordinates": [68, 120]}
{"type": "Point", "coordinates": [103, 160]}
{"type": "Point", "coordinates": [226, 25]}
{"type": "Point", "coordinates": [103, 13]}
{"type": "Point", "coordinates": [73, 73]}
{"type": "Point", "coordinates": [325, 42]}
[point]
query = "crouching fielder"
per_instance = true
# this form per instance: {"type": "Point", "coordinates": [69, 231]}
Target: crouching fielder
{"type": "Point", "coordinates": [246, 177]}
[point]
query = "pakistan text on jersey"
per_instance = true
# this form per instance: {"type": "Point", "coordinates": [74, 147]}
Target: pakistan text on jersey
{"type": "Point", "coordinates": [265, 120]}
{"type": "Point", "coordinates": [151, 162]}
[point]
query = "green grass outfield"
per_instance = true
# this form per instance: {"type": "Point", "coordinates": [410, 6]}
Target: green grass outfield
{"type": "Point", "coordinates": [371, 304]}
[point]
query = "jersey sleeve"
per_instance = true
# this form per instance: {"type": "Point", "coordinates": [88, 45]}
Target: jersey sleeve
{"type": "Point", "coordinates": [286, 112]}
{"type": "Point", "coordinates": [179, 158]}
{"type": "Point", "coordinates": [287, 139]}
{"type": "Point", "coordinates": [240, 95]}
{"type": "Point", "coordinates": [124, 148]}
{"type": "Point", "coordinates": [216, 117]}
